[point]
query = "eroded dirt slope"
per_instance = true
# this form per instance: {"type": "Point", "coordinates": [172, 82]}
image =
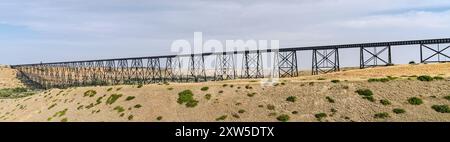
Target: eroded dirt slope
{"type": "Point", "coordinates": [247, 100]}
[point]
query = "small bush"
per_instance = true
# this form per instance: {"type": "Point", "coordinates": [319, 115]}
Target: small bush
{"type": "Point", "coordinates": [364, 92]}
{"type": "Point", "coordinates": [50, 107]}
{"type": "Point", "coordinates": [90, 93]}
{"type": "Point", "coordinates": [294, 112]}
{"type": "Point", "coordinates": [170, 88]}
{"type": "Point", "coordinates": [64, 120]}
{"type": "Point", "coordinates": [224, 85]}
{"type": "Point", "coordinates": [321, 79]}
{"type": "Point", "coordinates": [283, 118]}
{"type": "Point", "coordinates": [140, 86]}
{"type": "Point", "coordinates": [129, 98]}
{"type": "Point", "coordinates": [113, 98]}
{"type": "Point", "coordinates": [137, 106]}
{"type": "Point", "coordinates": [425, 78]}
{"type": "Point", "coordinates": [438, 78]}
{"type": "Point", "coordinates": [220, 92]}
{"type": "Point", "coordinates": [412, 62]}
{"type": "Point", "coordinates": [385, 102]}
{"type": "Point", "coordinates": [381, 115]}
{"type": "Point", "coordinates": [398, 111]}
{"type": "Point", "coordinates": [251, 94]}
{"type": "Point", "coordinates": [270, 107]}
{"type": "Point", "coordinates": [208, 96]}
{"type": "Point", "coordinates": [441, 108]}
{"type": "Point", "coordinates": [378, 80]}
{"type": "Point", "coordinates": [159, 118]}
{"type": "Point", "coordinates": [329, 99]}
{"type": "Point", "coordinates": [130, 117]}
{"type": "Point", "coordinates": [447, 98]}
{"type": "Point", "coordinates": [223, 117]}
{"type": "Point", "coordinates": [415, 101]}
{"type": "Point", "coordinates": [320, 116]}
{"type": "Point", "coordinates": [109, 89]}
{"type": "Point", "coordinates": [369, 98]}
{"type": "Point", "coordinates": [241, 111]}
{"type": "Point", "coordinates": [335, 81]}
{"type": "Point", "coordinates": [291, 99]}
{"type": "Point", "coordinates": [204, 88]}
{"type": "Point", "coordinates": [119, 109]}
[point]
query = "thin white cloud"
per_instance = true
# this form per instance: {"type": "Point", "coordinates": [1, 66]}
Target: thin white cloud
{"type": "Point", "coordinates": [149, 26]}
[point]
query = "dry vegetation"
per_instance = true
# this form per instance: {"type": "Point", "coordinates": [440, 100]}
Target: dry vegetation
{"type": "Point", "coordinates": [378, 94]}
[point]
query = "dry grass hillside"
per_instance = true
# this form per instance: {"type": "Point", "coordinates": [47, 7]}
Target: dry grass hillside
{"type": "Point", "coordinates": [8, 78]}
{"type": "Point", "coordinates": [393, 94]}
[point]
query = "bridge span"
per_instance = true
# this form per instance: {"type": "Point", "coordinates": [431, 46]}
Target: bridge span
{"type": "Point", "coordinates": [169, 68]}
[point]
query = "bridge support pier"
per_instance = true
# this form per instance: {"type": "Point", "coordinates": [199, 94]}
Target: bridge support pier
{"type": "Point", "coordinates": [437, 52]}
{"type": "Point", "coordinates": [374, 56]}
{"type": "Point", "coordinates": [225, 67]}
{"type": "Point", "coordinates": [252, 66]}
{"type": "Point", "coordinates": [172, 72]}
{"type": "Point", "coordinates": [287, 64]}
{"type": "Point", "coordinates": [196, 68]}
{"type": "Point", "coordinates": [325, 61]}
{"type": "Point", "coordinates": [154, 70]}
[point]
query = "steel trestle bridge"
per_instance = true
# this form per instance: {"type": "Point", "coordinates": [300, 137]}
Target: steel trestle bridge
{"type": "Point", "coordinates": [168, 68]}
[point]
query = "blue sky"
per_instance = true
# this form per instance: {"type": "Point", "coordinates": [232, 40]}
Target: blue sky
{"type": "Point", "coordinates": [58, 30]}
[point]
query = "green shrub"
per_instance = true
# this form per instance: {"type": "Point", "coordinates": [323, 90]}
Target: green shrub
{"type": "Point", "coordinates": [130, 117]}
{"type": "Point", "coordinates": [385, 102]}
{"type": "Point", "coordinates": [294, 112]}
{"type": "Point", "coordinates": [321, 79]}
{"type": "Point", "coordinates": [378, 80]}
{"type": "Point", "coordinates": [138, 106]}
{"type": "Point", "coordinates": [170, 88]}
{"type": "Point", "coordinates": [140, 86]}
{"type": "Point", "coordinates": [447, 98]}
{"type": "Point", "coordinates": [441, 108]}
{"type": "Point", "coordinates": [90, 93]}
{"type": "Point", "coordinates": [50, 107]}
{"type": "Point", "coordinates": [415, 101]}
{"type": "Point", "coordinates": [398, 111]}
{"type": "Point", "coordinates": [159, 118]}
{"type": "Point", "coordinates": [223, 117]}
{"type": "Point", "coordinates": [283, 118]}
{"type": "Point", "coordinates": [187, 97]}
{"type": "Point", "coordinates": [241, 111]}
{"type": "Point", "coordinates": [119, 109]}
{"type": "Point", "coordinates": [425, 78]}
{"type": "Point", "coordinates": [129, 98]}
{"type": "Point", "coordinates": [364, 92]}
{"type": "Point", "coordinates": [438, 78]}
{"type": "Point", "coordinates": [251, 94]}
{"type": "Point", "coordinates": [208, 96]}
{"type": "Point", "coordinates": [329, 99]}
{"type": "Point", "coordinates": [19, 90]}
{"type": "Point", "coordinates": [335, 81]}
{"type": "Point", "coordinates": [204, 88]}
{"type": "Point", "coordinates": [369, 98]}
{"type": "Point", "coordinates": [381, 115]}
{"type": "Point", "coordinates": [64, 120]}
{"type": "Point", "coordinates": [320, 116]}
{"type": "Point", "coordinates": [270, 107]}
{"type": "Point", "coordinates": [291, 99]}
{"type": "Point", "coordinates": [109, 89]}
{"type": "Point", "coordinates": [113, 98]}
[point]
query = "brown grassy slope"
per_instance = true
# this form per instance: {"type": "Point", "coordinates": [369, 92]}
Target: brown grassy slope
{"type": "Point", "coordinates": [158, 100]}
{"type": "Point", "coordinates": [8, 78]}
